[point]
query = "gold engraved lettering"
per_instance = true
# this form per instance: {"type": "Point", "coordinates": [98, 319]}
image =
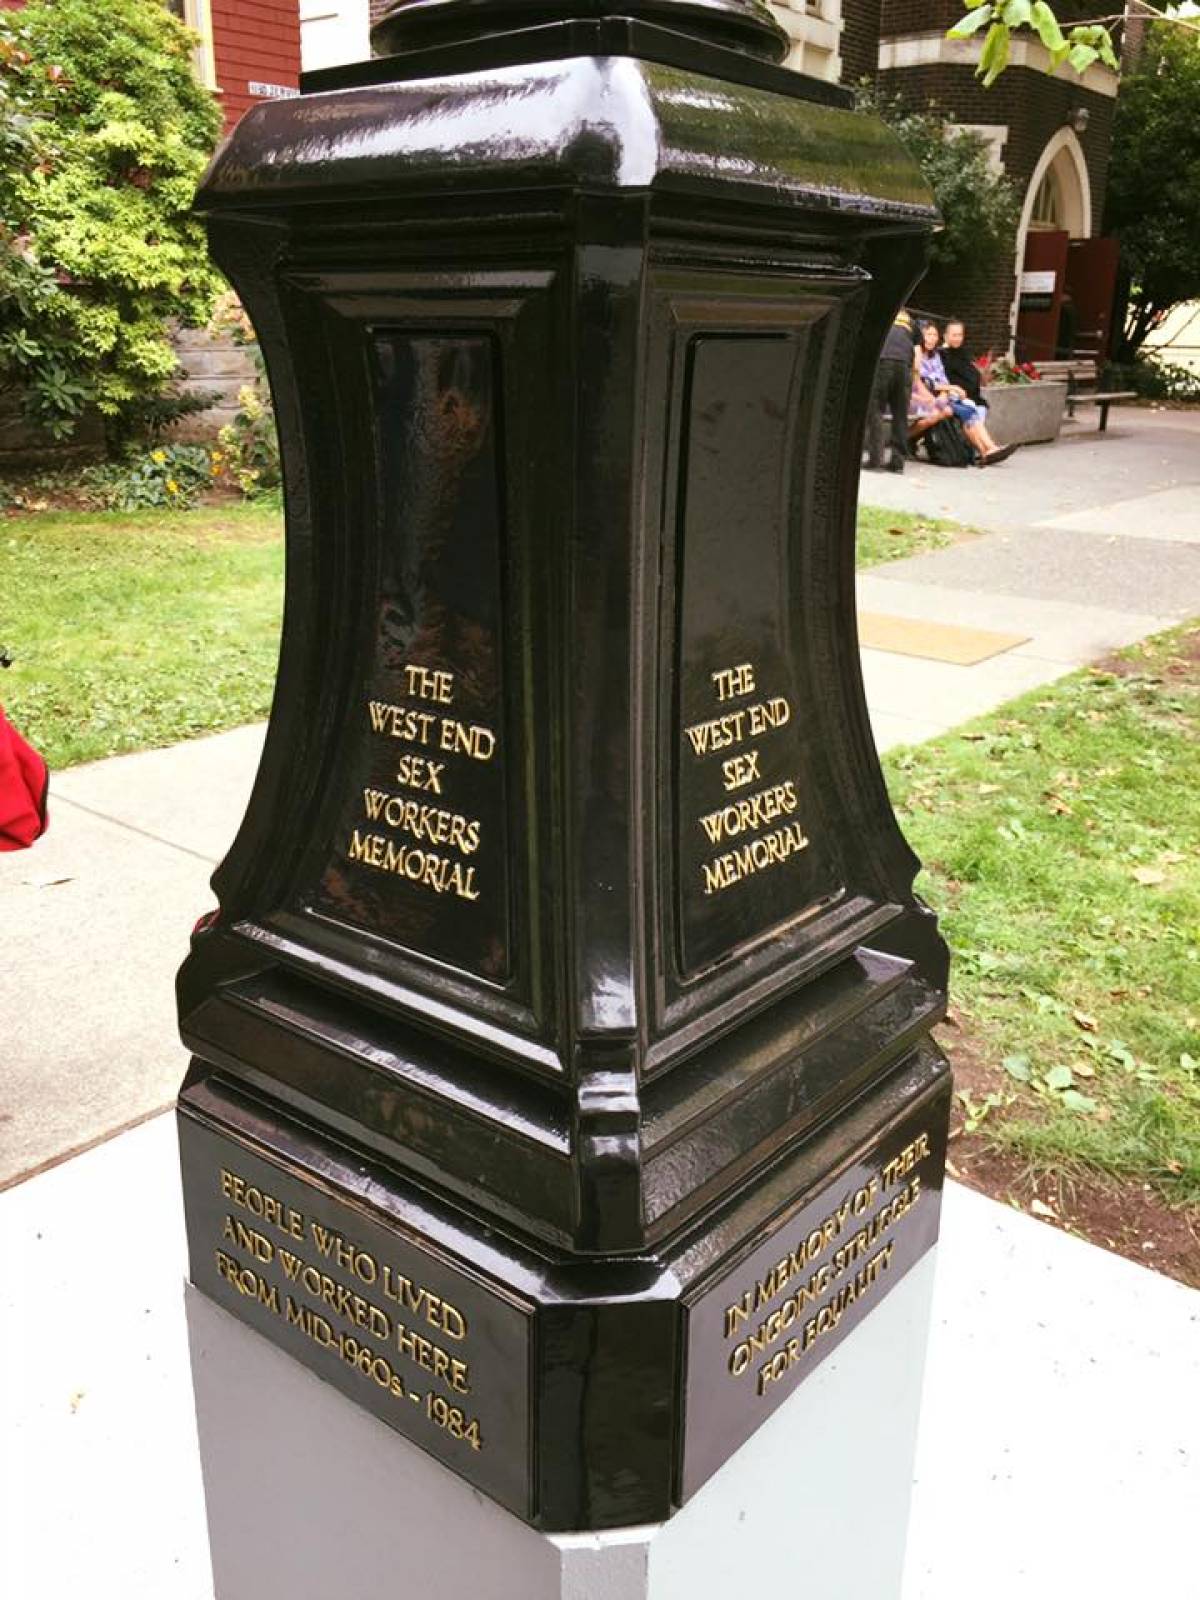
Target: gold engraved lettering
{"type": "Point", "coordinates": [734, 681]}
{"type": "Point", "coordinates": [438, 1313]}
{"type": "Point", "coordinates": [832, 1265]}
{"type": "Point", "coordinates": [286, 1219]}
{"type": "Point", "coordinates": [429, 684]}
{"type": "Point", "coordinates": [403, 722]}
{"type": "Point", "coordinates": [338, 1297]}
{"type": "Point", "coordinates": [336, 1317]}
{"type": "Point", "coordinates": [418, 772]}
{"type": "Point", "coordinates": [738, 771]}
{"type": "Point", "coordinates": [749, 814]}
{"type": "Point", "coordinates": [418, 866]}
{"type": "Point", "coordinates": [906, 1160]}
{"type": "Point", "coordinates": [826, 1319]}
{"type": "Point", "coordinates": [768, 850]}
{"type": "Point", "coordinates": [430, 1356]}
{"type": "Point", "coordinates": [421, 823]}
{"type": "Point", "coordinates": [247, 1282]}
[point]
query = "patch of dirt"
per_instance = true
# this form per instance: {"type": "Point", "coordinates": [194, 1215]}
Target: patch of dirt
{"type": "Point", "coordinates": [1125, 1216]}
{"type": "Point", "coordinates": [1186, 655]}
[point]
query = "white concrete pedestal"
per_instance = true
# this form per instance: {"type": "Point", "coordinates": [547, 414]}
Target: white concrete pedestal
{"type": "Point", "coordinates": [310, 1498]}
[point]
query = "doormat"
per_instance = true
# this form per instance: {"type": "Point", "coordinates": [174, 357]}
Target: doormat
{"type": "Point", "coordinates": [933, 641]}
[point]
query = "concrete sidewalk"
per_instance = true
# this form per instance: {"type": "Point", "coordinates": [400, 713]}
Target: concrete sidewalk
{"type": "Point", "coordinates": [1058, 1451]}
{"type": "Point", "coordinates": [1140, 480]}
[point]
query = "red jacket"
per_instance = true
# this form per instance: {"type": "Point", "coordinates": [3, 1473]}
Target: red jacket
{"type": "Point", "coordinates": [23, 784]}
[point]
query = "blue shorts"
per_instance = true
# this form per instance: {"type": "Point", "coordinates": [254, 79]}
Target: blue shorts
{"type": "Point", "coordinates": [967, 411]}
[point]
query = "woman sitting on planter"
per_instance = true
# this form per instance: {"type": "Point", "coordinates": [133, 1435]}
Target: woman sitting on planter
{"type": "Point", "coordinates": [929, 369]}
{"type": "Point", "coordinates": [959, 362]}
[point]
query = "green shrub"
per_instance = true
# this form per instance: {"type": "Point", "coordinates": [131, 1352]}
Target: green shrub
{"type": "Point", "coordinates": [104, 133]}
{"type": "Point", "coordinates": [248, 453]}
{"type": "Point", "coordinates": [979, 206]}
{"type": "Point", "coordinates": [169, 477]}
{"type": "Point", "coordinates": [1155, 379]}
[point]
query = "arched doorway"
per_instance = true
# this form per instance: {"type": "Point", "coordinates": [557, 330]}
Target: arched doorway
{"type": "Point", "coordinates": [1058, 261]}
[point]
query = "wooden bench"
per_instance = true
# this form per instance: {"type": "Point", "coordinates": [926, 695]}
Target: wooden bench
{"type": "Point", "coordinates": [1084, 371]}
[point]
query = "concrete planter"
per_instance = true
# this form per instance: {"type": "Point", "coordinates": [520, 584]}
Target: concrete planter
{"type": "Point", "coordinates": [1025, 413]}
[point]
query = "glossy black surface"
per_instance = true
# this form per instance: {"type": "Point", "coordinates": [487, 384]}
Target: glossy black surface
{"type": "Point", "coordinates": [601, 1390]}
{"type": "Point", "coordinates": [570, 358]}
{"type": "Point", "coordinates": [411, 24]}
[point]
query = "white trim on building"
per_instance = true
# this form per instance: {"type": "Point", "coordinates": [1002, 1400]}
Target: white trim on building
{"type": "Point", "coordinates": [334, 33]}
{"type": "Point", "coordinates": [815, 30]}
{"type": "Point", "coordinates": [934, 49]}
{"type": "Point", "coordinates": [993, 134]}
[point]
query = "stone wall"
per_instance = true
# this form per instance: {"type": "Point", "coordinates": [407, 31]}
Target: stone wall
{"type": "Point", "coordinates": [211, 362]}
{"type": "Point", "coordinates": [25, 449]}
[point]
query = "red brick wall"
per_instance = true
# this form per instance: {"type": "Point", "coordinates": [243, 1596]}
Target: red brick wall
{"type": "Point", "coordinates": [254, 41]}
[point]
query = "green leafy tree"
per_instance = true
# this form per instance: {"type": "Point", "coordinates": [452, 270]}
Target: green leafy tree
{"type": "Point", "coordinates": [104, 133]}
{"type": "Point", "coordinates": [1082, 45]}
{"type": "Point", "coordinates": [978, 205]}
{"type": "Point", "coordinates": [1153, 198]}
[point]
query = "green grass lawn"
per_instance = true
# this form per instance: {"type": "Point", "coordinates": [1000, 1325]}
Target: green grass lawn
{"type": "Point", "coordinates": [889, 535]}
{"type": "Point", "coordinates": [132, 630]}
{"type": "Point", "coordinates": [1061, 837]}
{"type": "Point", "coordinates": [141, 629]}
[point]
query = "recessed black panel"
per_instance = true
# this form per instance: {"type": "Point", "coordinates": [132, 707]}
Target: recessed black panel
{"type": "Point", "coordinates": [752, 849]}
{"type": "Point", "coordinates": [420, 855]}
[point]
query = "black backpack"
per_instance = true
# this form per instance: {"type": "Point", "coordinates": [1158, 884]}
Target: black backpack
{"type": "Point", "coordinates": [946, 445]}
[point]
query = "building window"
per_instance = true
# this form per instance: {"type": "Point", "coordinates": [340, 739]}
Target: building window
{"type": "Point", "coordinates": [1048, 203]}
{"type": "Point", "coordinates": [815, 30]}
{"type": "Point", "coordinates": [197, 15]}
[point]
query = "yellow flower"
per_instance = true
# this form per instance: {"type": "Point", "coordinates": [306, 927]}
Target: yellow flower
{"type": "Point", "coordinates": [160, 456]}
{"type": "Point", "coordinates": [172, 486]}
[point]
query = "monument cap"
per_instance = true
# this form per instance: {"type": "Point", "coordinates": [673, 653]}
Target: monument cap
{"type": "Point", "coordinates": [745, 25]}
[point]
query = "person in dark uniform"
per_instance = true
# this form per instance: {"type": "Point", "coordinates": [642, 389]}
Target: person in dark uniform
{"type": "Point", "coordinates": [893, 386]}
{"type": "Point", "coordinates": [959, 362]}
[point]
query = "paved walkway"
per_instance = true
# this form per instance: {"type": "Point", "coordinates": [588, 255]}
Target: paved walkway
{"type": "Point", "coordinates": [1140, 480]}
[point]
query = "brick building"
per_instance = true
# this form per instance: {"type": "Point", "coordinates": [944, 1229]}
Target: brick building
{"type": "Point", "coordinates": [249, 49]}
{"type": "Point", "coordinates": [1050, 135]}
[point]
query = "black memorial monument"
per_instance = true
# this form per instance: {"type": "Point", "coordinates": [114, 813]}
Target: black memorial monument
{"type": "Point", "coordinates": [563, 1088]}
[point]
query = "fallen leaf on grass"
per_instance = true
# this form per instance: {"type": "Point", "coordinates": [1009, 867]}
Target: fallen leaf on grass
{"type": "Point", "coordinates": [900, 532]}
{"type": "Point", "coordinates": [988, 788]}
{"type": "Point", "coordinates": [1039, 1208]}
{"type": "Point", "coordinates": [1147, 876]}
{"type": "Point", "coordinates": [1074, 1101]}
{"type": "Point", "coordinates": [1018, 1067]}
{"type": "Point", "coordinates": [1084, 1069]}
{"type": "Point", "coordinates": [1059, 806]}
{"type": "Point", "coordinates": [1082, 1020]}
